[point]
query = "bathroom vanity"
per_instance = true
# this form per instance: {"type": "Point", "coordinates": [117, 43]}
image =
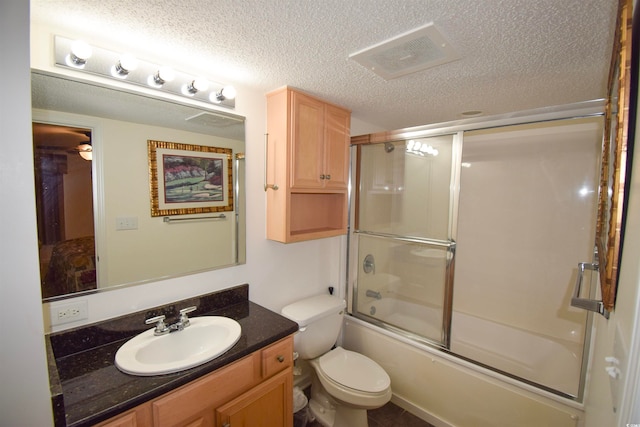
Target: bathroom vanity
{"type": "Point", "coordinates": [252, 381]}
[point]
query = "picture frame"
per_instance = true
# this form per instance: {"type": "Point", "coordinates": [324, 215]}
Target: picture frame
{"type": "Point", "coordinates": [618, 142]}
{"type": "Point", "coordinates": [187, 179]}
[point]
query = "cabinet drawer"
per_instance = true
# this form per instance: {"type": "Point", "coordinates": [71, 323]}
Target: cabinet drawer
{"type": "Point", "coordinates": [277, 357]}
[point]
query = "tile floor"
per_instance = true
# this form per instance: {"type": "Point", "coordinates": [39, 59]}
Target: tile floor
{"type": "Point", "coordinates": [389, 415]}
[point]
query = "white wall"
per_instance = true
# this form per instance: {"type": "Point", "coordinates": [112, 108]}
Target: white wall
{"type": "Point", "coordinates": [24, 395]}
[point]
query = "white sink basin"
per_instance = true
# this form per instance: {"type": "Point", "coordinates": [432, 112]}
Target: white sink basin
{"type": "Point", "coordinates": [206, 338]}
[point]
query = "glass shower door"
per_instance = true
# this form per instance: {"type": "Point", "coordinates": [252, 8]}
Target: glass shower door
{"type": "Point", "coordinates": [403, 236]}
{"type": "Point", "coordinates": [527, 209]}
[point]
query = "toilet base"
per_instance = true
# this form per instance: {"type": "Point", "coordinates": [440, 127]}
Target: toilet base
{"type": "Point", "coordinates": [330, 415]}
{"type": "Point", "coordinates": [324, 416]}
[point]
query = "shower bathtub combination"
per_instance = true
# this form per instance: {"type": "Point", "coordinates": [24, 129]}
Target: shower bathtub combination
{"type": "Point", "coordinates": [463, 255]}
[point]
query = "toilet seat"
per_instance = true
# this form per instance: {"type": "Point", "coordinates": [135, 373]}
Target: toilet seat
{"type": "Point", "coordinates": [354, 370]}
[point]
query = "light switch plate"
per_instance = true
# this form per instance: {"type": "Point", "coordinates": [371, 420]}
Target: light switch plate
{"type": "Point", "coordinates": [127, 223]}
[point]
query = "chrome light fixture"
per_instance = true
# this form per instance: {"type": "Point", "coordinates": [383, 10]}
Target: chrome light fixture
{"type": "Point", "coordinates": [78, 55]}
{"type": "Point", "coordinates": [227, 92]}
{"type": "Point", "coordinates": [196, 85]}
{"type": "Point", "coordinates": [82, 57]}
{"type": "Point", "coordinates": [125, 65]}
{"type": "Point", "coordinates": [162, 76]}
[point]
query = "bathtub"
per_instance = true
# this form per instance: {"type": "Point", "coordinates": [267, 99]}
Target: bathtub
{"type": "Point", "coordinates": [436, 384]}
{"type": "Point", "coordinates": [550, 363]}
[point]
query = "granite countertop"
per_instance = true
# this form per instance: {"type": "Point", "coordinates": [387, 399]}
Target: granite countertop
{"type": "Point", "coordinates": [86, 386]}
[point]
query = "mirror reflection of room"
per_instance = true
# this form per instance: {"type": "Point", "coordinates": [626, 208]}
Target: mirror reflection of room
{"type": "Point", "coordinates": [64, 203]}
{"type": "Point", "coordinates": [117, 211]}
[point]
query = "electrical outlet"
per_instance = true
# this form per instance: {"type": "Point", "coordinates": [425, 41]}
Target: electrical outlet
{"type": "Point", "coordinates": [70, 312]}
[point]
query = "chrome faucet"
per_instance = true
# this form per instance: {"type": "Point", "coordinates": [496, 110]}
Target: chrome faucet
{"type": "Point", "coordinates": [373, 294]}
{"type": "Point", "coordinates": [161, 326]}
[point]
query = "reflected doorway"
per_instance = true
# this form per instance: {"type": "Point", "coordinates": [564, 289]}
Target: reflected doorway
{"type": "Point", "coordinates": [64, 207]}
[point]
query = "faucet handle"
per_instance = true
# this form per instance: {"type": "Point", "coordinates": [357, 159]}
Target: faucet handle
{"type": "Point", "coordinates": [161, 328]}
{"type": "Point", "coordinates": [184, 319]}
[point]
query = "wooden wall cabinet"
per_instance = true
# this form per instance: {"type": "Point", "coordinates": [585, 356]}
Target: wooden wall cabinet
{"type": "Point", "coordinates": [307, 158]}
{"type": "Point", "coordinates": [256, 390]}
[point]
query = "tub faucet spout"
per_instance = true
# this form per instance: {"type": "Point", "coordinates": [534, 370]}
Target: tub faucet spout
{"type": "Point", "coordinates": [373, 294]}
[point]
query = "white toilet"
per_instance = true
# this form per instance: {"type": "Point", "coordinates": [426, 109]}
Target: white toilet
{"type": "Point", "coordinates": [345, 383]}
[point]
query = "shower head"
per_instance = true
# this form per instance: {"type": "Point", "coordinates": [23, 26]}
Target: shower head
{"type": "Point", "coordinates": [389, 147]}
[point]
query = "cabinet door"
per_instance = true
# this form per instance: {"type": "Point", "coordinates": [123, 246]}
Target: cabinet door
{"type": "Point", "coordinates": [307, 135]}
{"type": "Point", "coordinates": [137, 417]}
{"type": "Point", "coordinates": [337, 138]}
{"type": "Point", "coordinates": [126, 420]}
{"type": "Point", "coordinates": [194, 405]}
{"type": "Point", "coordinates": [269, 404]}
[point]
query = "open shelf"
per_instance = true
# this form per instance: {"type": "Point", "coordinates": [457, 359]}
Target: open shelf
{"type": "Point", "coordinates": [316, 215]}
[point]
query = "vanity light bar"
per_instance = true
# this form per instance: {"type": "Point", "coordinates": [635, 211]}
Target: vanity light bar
{"type": "Point", "coordinates": [125, 68]}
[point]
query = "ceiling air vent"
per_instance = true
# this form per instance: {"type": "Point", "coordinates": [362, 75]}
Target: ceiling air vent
{"type": "Point", "coordinates": [214, 120]}
{"type": "Point", "coordinates": [408, 53]}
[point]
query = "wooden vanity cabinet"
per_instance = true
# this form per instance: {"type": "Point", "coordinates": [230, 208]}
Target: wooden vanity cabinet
{"type": "Point", "coordinates": [265, 405]}
{"type": "Point", "coordinates": [137, 417]}
{"type": "Point", "coordinates": [308, 159]}
{"type": "Point", "coordinates": [256, 390]}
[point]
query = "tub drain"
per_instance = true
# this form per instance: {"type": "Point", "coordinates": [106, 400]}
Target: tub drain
{"type": "Point", "coordinates": [372, 310]}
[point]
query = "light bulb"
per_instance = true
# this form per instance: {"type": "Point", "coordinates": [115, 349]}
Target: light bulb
{"type": "Point", "coordinates": [125, 65]}
{"type": "Point", "coordinates": [196, 85]}
{"type": "Point", "coordinates": [163, 75]}
{"type": "Point", "coordinates": [227, 92]}
{"type": "Point", "coordinates": [86, 151]}
{"type": "Point", "coordinates": [80, 52]}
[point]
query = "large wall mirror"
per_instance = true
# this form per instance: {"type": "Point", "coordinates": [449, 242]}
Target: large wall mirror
{"type": "Point", "coordinates": [93, 180]}
{"type": "Point", "coordinates": [615, 160]}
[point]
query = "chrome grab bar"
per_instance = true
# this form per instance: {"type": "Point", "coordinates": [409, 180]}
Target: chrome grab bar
{"type": "Point", "coordinates": [169, 219]}
{"type": "Point", "coordinates": [586, 303]}
{"type": "Point", "coordinates": [266, 163]}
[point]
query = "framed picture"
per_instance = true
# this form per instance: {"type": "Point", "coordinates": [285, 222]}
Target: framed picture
{"type": "Point", "coordinates": [189, 179]}
{"type": "Point", "coordinates": [619, 127]}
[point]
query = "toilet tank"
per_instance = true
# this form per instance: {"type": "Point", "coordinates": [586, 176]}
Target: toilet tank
{"type": "Point", "coordinates": [320, 321]}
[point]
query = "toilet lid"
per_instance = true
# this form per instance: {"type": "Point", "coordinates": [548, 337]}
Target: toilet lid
{"type": "Point", "coordinates": [354, 370]}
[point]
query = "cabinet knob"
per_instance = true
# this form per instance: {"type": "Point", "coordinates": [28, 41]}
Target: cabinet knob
{"type": "Point", "coordinates": [327, 177]}
{"type": "Point", "coordinates": [280, 358]}
{"type": "Point", "coordinates": [322, 176]}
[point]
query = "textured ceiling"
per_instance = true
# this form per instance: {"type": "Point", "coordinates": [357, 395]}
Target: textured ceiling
{"type": "Point", "coordinates": [514, 54]}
